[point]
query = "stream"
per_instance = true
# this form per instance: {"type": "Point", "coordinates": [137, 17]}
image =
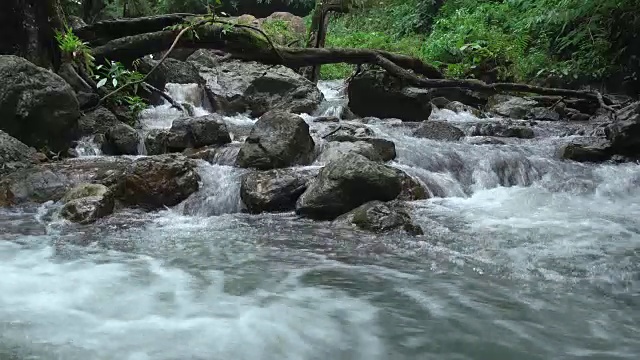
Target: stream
{"type": "Point", "coordinates": [524, 257]}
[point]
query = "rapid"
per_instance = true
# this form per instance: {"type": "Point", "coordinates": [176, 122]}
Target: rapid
{"type": "Point", "coordinates": [524, 257]}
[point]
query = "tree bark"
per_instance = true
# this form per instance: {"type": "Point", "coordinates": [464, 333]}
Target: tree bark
{"type": "Point", "coordinates": [28, 30]}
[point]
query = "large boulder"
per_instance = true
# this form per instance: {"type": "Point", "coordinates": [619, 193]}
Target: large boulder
{"type": "Point", "coordinates": [197, 132]}
{"type": "Point", "coordinates": [503, 130]}
{"type": "Point", "coordinates": [374, 149]}
{"type": "Point", "coordinates": [14, 154]}
{"type": "Point", "coordinates": [277, 140]}
{"type": "Point", "coordinates": [121, 139]}
{"type": "Point", "coordinates": [624, 133]}
{"type": "Point", "coordinates": [148, 182]}
{"type": "Point", "coordinates": [97, 121]}
{"type": "Point", "coordinates": [380, 217]}
{"type": "Point", "coordinates": [37, 106]}
{"type": "Point", "coordinates": [595, 152]}
{"type": "Point", "coordinates": [511, 106]}
{"type": "Point", "coordinates": [375, 93]}
{"type": "Point", "coordinates": [236, 86]}
{"type": "Point", "coordinates": [274, 190]}
{"type": "Point", "coordinates": [438, 130]}
{"type": "Point", "coordinates": [86, 203]}
{"type": "Point", "coordinates": [177, 72]}
{"type": "Point", "coordinates": [347, 183]}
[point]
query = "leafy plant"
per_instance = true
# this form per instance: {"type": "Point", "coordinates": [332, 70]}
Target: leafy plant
{"type": "Point", "coordinates": [114, 75]}
{"type": "Point", "coordinates": [74, 48]}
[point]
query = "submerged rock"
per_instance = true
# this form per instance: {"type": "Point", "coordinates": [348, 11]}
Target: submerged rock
{"type": "Point", "coordinates": [37, 106]}
{"type": "Point", "coordinates": [274, 190]}
{"type": "Point", "coordinates": [346, 183]}
{"type": "Point", "coordinates": [438, 130]}
{"type": "Point", "coordinates": [458, 107]}
{"type": "Point", "coordinates": [277, 140]}
{"type": "Point", "coordinates": [87, 203]}
{"type": "Point", "coordinates": [197, 132]}
{"type": "Point", "coordinates": [236, 86]}
{"type": "Point", "coordinates": [502, 130]}
{"type": "Point", "coordinates": [380, 217]}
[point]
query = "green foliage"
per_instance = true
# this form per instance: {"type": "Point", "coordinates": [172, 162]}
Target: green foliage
{"type": "Point", "coordinates": [114, 75]}
{"type": "Point", "coordinates": [74, 48]}
{"type": "Point", "coordinates": [280, 32]}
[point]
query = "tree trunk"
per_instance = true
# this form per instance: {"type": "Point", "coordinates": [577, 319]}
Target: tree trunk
{"type": "Point", "coordinates": [27, 28]}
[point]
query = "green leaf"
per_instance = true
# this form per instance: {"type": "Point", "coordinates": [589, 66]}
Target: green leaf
{"type": "Point", "coordinates": [101, 83]}
{"type": "Point", "coordinates": [114, 82]}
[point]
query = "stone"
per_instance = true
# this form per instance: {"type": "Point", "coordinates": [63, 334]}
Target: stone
{"type": "Point", "coordinates": [511, 106]}
{"type": "Point", "coordinates": [97, 121]}
{"type": "Point", "coordinates": [380, 217]}
{"type": "Point", "coordinates": [411, 189]}
{"type": "Point", "coordinates": [438, 130]}
{"type": "Point", "coordinates": [236, 86]}
{"type": "Point", "coordinates": [624, 133]}
{"type": "Point", "coordinates": [377, 94]}
{"type": "Point", "coordinates": [277, 140]}
{"type": "Point", "coordinates": [197, 132]}
{"type": "Point", "coordinates": [347, 132]}
{"type": "Point", "coordinates": [14, 154]}
{"type": "Point", "coordinates": [458, 107]}
{"type": "Point", "coordinates": [584, 153]}
{"type": "Point", "coordinates": [502, 130]}
{"type": "Point", "coordinates": [121, 139]}
{"type": "Point", "coordinates": [543, 114]}
{"type": "Point", "coordinates": [347, 183]}
{"type": "Point", "coordinates": [178, 72]}
{"type": "Point", "coordinates": [86, 203]}
{"type": "Point", "coordinates": [37, 106]}
{"type": "Point", "coordinates": [155, 141]}
{"type": "Point", "coordinates": [274, 190]}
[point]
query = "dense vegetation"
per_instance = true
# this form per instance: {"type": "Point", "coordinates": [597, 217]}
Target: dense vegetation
{"type": "Point", "coordinates": [552, 42]}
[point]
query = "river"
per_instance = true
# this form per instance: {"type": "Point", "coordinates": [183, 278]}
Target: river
{"type": "Point", "coordinates": [524, 257]}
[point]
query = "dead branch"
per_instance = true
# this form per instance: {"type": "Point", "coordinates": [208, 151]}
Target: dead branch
{"type": "Point", "coordinates": [151, 88]}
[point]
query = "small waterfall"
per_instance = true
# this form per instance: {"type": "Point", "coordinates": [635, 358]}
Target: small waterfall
{"type": "Point", "coordinates": [335, 98]}
{"type": "Point", "coordinates": [219, 191]}
{"type": "Point", "coordinates": [87, 146]}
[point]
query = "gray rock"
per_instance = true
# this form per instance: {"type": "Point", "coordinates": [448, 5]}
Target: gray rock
{"type": "Point", "coordinates": [37, 106]}
{"type": "Point", "coordinates": [14, 154]}
{"type": "Point", "coordinates": [624, 133]}
{"type": "Point", "coordinates": [98, 121]}
{"type": "Point", "coordinates": [347, 132]}
{"type": "Point", "coordinates": [277, 140]}
{"type": "Point", "coordinates": [458, 107]}
{"type": "Point", "coordinates": [176, 71]}
{"type": "Point", "coordinates": [337, 149]}
{"type": "Point", "coordinates": [238, 86]}
{"type": "Point", "coordinates": [155, 141]}
{"type": "Point", "coordinates": [149, 183]}
{"type": "Point", "coordinates": [274, 190]}
{"type": "Point", "coordinates": [502, 130]}
{"type": "Point", "coordinates": [438, 130]}
{"type": "Point", "coordinates": [347, 183]}
{"type": "Point", "coordinates": [543, 114]}
{"type": "Point", "coordinates": [121, 139]}
{"type": "Point", "coordinates": [411, 189]}
{"type": "Point", "coordinates": [511, 106]}
{"type": "Point", "coordinates": [380, 217]}
{"type": "Point", "coordinates": [377, 94]}
{"type": "Point", "coordinates": [87, 203]}
{"type": "Point", "coordinates": [584, 153]}
{"type": "Point", "coordinates": [197, 132]}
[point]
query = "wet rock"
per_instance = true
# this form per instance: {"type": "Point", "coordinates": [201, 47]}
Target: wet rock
{"type": "Point", "coordinates": [87, 100]}
{"type": "Point", "coordinates": [121, 139]}
{"type": "Point", "coordinates": [219, 155]}
{"type": "Point", "coordinates": [347, 132]}
{"type": "Point", "coordinates": [274, 190]}
{"type": "Point", "coordinates": [502, 130]}
{"type": "Point", "coordinates": [156, 79]}
{"type": "Point", "coordinates": [511, 106]}
{"type": "Point", "coordinates": [155, 142]}
{"type": "Point", "coordinates": [624, 133]}
{"type": "Point", "coordinates": [236, 86]}
{"type": "Point", "coordinates": [154, 182]}
{"type": "Point", "coordinates": [347, 183]}
{"type": "Point", "coordinates": [148, 183]}
{"type": "Point", "coordinates": [277, 140]}
{"type": "Point", "coordinates": [98, 121]}
{"type": "Point", "coordinates": [87, 203]}
{"type": "Point", "coordinates": [584, 153]}
{"type": "Point", "coordinates": [197, 132]}
{"type": "Point", "coordinates": [337, 149]}
{"type": "Point", "coordinates": [324, 119]}
{"type": "Point", "coordinates": [411, 189]}
{"type": "Point", "coordinates": [14, 154]}
{"type": "Point", "coordinates": [180, 72]}
{"type": "Point", "coordinates": [575, 115]}
{"type": "Point", "coordinates": [438, 130]}
{"type": "Point", "coordinates": [458, 107]}
{"type": "Point", "coordinates": [375, 93]}
{"type": "Point", "coordinates": [543, 114]}
{"type": "Point", "coordinates": [485, 140]}
{"type": "Point", "coordinates": [380, 217]}
{"type": "Point", "coordinates": [37, 106]}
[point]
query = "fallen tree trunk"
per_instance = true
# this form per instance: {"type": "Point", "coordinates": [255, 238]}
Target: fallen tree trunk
{"type": "Point", "coordinates": [243, 42]}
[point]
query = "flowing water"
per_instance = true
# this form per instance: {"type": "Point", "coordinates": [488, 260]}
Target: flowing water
{"type": "Point", "coordinates": [523, 257]}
